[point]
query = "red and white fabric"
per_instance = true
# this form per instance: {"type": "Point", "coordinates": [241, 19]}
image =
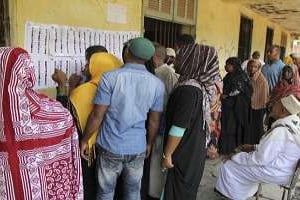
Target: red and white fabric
{"type": "Point", "coordinates": [39, 150]}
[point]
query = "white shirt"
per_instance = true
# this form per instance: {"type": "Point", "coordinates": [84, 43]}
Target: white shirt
{"type": "Point", "coordinates": [168, 76]}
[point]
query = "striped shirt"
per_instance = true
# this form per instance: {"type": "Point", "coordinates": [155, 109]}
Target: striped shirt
{"type": "Point", "coordinates": [260, 95]}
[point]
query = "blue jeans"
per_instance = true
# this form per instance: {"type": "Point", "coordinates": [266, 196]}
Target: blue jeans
{"type": "Point", "coordinates": [110, 166]}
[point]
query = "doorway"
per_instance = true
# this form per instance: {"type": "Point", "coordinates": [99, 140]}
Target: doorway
{"type": "Point", "coordinates": [245, 38]}
{"type": "Point", "coordinates": [283, 45]}
{"type": "Point", "coordinates": [269, 40]}
{"type": "Point", "coordinates": [4, 23]}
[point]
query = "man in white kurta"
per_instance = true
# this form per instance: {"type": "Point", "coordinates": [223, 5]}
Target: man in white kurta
{"type": "Point", "coordinates": [168, 76]}
{"type": "Point", "coordinates": [273, 160]}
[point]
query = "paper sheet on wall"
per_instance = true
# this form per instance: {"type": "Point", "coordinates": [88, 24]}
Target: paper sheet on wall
{"type": "Point", "coordinates": [116, 13]}
{"type": "Point", "coordinates": [55, 46]}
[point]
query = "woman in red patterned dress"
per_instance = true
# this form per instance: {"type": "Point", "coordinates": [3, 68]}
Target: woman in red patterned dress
{"type": "Point", "coordinates": [39, 153]}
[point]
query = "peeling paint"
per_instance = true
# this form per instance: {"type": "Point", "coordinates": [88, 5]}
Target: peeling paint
{"type": "Point", "coordinates": [284, 12]}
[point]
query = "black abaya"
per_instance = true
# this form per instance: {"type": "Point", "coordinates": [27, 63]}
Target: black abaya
{"type": "Point", "coordinates": [235, 123]}
{"type": "Point", "coordinates": [256, 126]}
{"type": "Point", "coordinates": [185, 110]}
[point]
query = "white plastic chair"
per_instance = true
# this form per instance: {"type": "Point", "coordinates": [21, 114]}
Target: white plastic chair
{"type": "Point", "coordinates": [288, 188]}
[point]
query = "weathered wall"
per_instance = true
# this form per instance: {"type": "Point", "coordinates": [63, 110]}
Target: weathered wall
{"type": "Point", "coordinates": [80, 13]}
{"type": "Point", "coordinates": [218, 24]}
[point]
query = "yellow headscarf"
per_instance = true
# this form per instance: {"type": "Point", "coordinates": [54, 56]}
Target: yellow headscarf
{"type": "Point", "coordinates": [82, 97]}
{"type": "Point", "coordinates": [288, 60]}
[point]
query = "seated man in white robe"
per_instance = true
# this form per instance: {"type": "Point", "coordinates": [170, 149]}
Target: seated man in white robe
{"type": "Point", "coordinates": [273, 160]}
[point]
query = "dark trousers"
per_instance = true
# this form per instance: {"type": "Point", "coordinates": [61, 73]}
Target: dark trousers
{"type": "Point", "coordinates": [256, 126]}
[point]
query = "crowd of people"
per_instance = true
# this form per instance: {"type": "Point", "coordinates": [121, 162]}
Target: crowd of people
{"type": "Point", "coordinates": [260, 115]}
{"type": "Point", "coordinates": [142, 128]}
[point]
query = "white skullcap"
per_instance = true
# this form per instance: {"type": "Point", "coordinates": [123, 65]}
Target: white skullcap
{"type": "Point", "coordinates": [291, 104]}
{"type": "Point", "coordinates": [171, 52]}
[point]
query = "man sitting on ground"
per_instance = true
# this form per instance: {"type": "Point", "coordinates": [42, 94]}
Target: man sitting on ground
{"type": "Point", "coordinates": [273, 160]}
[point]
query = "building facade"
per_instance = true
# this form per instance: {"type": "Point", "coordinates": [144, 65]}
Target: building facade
{"type": "Point", "coordinates": [233, 28]}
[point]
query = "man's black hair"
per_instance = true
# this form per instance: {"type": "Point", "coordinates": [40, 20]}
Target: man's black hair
{"type": "Point", "coordinates": [185, 39]}
{"type": "Point", "coordinates": [94, 49]}
{"type": "Point", "coordinates": [274, 47]}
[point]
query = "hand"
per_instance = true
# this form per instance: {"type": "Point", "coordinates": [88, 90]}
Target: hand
{"type": "Point", "coordinates": [59, 77]}
{"type": "Point", "coordinates": [167, 163]}
{"type": "Point", "coordinates": [84, 150]}
{"type": "Point", "coordinates": [148, 150]}
{"type": "Point", "coordinates": [246, 148]}
{"type": "Point", "coordinates": [74, 80]}
{"type": "Point", "coordinates": [212, 152]}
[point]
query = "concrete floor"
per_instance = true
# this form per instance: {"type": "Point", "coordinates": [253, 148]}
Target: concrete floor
{"type": "Point", "coordinates": [206, 190]}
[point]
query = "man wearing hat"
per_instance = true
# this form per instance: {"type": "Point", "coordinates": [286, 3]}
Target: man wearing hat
{"type": "Point", "coordinates": [123, 99]}
{"type": "Point", "coordinates": [171, 57]}
{"type": "Point", "coordinates": [273, 160]}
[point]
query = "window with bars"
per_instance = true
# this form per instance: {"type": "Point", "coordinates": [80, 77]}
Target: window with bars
{"type": "Point", "coordinates": [177, 11]}
{"type": "Point", "coordinates": [165, 33]}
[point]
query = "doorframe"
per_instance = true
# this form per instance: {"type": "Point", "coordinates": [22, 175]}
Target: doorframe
{"type": "Point", "coordinates": [251, 35]}
{"type": "Point", "coordinates": [266, 43]}
{"type": "Point", "coordinates": [6, 23]}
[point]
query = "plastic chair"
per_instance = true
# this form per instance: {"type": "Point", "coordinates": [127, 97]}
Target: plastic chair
{"type": "Point", "coordinates": [288, 188]}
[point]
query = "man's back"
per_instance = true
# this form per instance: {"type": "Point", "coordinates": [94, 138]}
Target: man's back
{"type": "Point", "coordinates": [129, 93]}
{"type": "Point", "coordinates": [168, 76]}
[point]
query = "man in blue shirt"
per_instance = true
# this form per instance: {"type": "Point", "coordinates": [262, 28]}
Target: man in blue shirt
{"type": "Point", "coordinates": [272, 69]}
{"type": "Point", "coordinates": [123, 99]}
